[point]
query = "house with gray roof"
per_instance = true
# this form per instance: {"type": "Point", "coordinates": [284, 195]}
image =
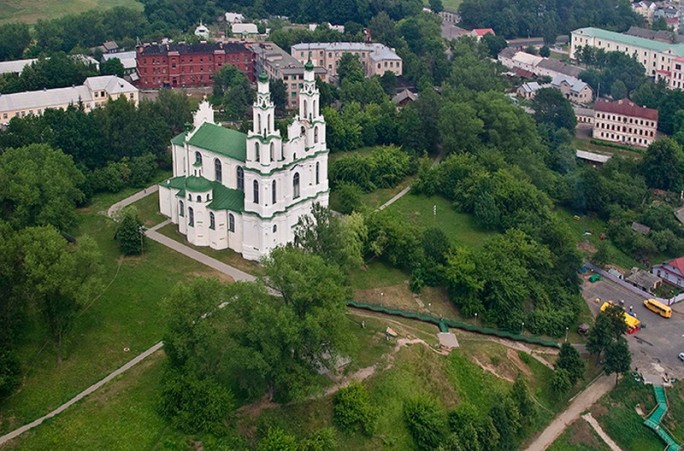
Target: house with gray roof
{"type": "Point", "coordinates": [574, 89]}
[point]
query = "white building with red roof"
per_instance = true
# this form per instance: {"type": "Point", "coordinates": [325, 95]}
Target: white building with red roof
{"type": "Point", "coordinates": [479, 33]}
{"type": "Point", "coordinates": [624, 122]}
{"type": "Point", "coordinates": [671, 272]}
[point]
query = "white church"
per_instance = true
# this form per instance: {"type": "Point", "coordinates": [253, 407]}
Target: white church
{"type": "Point", "coordinates": [247, 192]}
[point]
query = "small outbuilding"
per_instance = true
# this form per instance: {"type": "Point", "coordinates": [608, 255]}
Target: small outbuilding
{"type": "Point", "coordinates": [644, 280]}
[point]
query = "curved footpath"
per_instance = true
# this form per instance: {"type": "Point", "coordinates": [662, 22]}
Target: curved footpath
{"type": "Point", "coordinates": [152, 233]}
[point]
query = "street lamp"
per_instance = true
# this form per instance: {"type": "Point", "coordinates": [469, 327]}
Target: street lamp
{"type": "Point", "coordinates": [475, 317]}
{"type": "Point", "coordinates": [141, 231]}
{"type": "Point", "coordinates": [522, 330]}
{"type": "Point", "coordinates": [566, 334]}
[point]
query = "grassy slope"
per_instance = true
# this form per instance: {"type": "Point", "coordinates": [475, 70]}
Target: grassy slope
{"type": "Point", "coordinates": [125, 316]}
{"type": "Point", "coordinates": [616, 414]}
{"type": "Point", "coordinates": [459, 227]}
{"type": "Point", "coordinates": [31, 10]}
{"type": "Point", "coordinates": [579, 436]}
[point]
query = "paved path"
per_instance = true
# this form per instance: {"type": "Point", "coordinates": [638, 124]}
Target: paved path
{"type": "Point", "coordinates": [398, 196]}
{"type": "Point", "coordinates": [599, 430]}
{"type": "Point", "coordinates": [235, 273]}
{"type": "Point", "coordinates": [83, 394]}
{"type": "Point", "coordinates": [131, 199]}
{"type": "Point", "coordinates": [579, 404]}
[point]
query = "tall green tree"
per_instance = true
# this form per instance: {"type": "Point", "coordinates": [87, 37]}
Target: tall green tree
{"type": "Point", "coordinates": [570, 360]}
{"type": "Point", "coordinates": [663, 165]}
{"type": "Point", "coordinates": [551, 107]}
{"type": "Point", "coordinates": [618, 359]}
{"type": "Point", "coordinates": [62, 278]}
{"type": "Point", "coordinates": [112, 66]}
{"type": "Point", "coordinates": [130, 233]}
{"type": "Point", "coordinates": [14, 39]}
{"type": "Point", "coordinates": [350, 69]}
{"type": "Point", "coordinates": [41, 186]}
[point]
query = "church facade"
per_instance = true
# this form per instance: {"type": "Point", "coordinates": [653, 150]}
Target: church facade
{"type": "Point", "coordinates": [247, 192]}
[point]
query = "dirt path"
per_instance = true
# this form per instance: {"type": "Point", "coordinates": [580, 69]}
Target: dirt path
{"type": "Point", "coordinates": [579, 404]}
{"type": "Point", "coordinates": [599, 430]}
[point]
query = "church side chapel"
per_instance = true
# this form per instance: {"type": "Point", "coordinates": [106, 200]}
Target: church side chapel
{"type": "Point", "coordinates": [247, 192]}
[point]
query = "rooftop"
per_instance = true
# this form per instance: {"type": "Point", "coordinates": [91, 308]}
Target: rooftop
{"type": "Point", "coordinates": [16, 66]}
{"type": "Point", "coordinates": [560, 67]}
{"type": "Point", "coordinates": [63, 96]}
{"type": "Point", "coordinates": [378, 51]}
{"type": "Point", "coordinates": [576, 85]}
{"type": "Point", "coordinates": [626, 108]}
{"type": "Point", "coordinates": [223, 198]}
{"type": "Point", "coordinates": [184, 48]}
{"type": "Point", "coordinates": [643, 279]}
{"type": "Point", "coordinates": [635, 41]}
{"type": "Point", "coordinates": [126, 58]}
{"type": "Point", "coordinates": [222, 140]}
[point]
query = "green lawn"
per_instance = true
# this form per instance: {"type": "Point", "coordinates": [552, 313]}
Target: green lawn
{"type": "Point", "coordinates": [459, 227]}
{"type": "Point", "coordinates": [31, 10]}
{"type": "Point", "coordinates": [148, 210]}
{"type": "Point", "coordinates": [595, 226]}
{"type": "Point", "coordinates": [451, 5]}
{"type": "Point", "coordinates": [675, 415]}
{"type": "Point", "coordinates": [616, 414]}
{"type": "Point", "coordinates": [226, 256]}
{"type": "Point", "coordinates": [579, 436]}
{"type": "Point", "coordinates": [113, 328]}
{"type": "Point", "coordinates": [583, 144]}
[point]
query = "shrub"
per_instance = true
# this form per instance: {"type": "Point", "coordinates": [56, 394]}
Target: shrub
{"type": "Point", "coordinates": [353, 411]}
{"type": "Point", "coordinates": [425, 422]}
{"type": "Point", "coordinates": [349, 195]}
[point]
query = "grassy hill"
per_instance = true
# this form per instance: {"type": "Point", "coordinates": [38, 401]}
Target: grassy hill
{"type": "Point", "coordinates": [31, 10]}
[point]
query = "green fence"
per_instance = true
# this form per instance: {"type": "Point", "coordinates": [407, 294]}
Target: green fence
{"type": "Point", "coordinates": [444, 324]}
{"type": "Point", "coordinates": [653, 420]}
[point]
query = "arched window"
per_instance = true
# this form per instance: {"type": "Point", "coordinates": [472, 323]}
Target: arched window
{"type": "Point", "coordinates": [191, 217]}
{"type": "Point", "coordinates": [314, 108]}
{"type": "Point", "coordinates": [268, 121]}
{"type": "Point", "coordinates": [317, 172]}
{"type": "Point", "coordinates": [295, 186]}
{"type": "Point", "coordinates": [273, 192]}
{"type": "Point", "coordinates": [212, 221]}
{"type": "Point", "coordinates": [275, 228]}
{"type": "Point", "coordinates": [218, 170]}
{"type": "Point", "coordinates": [231, 222]}
{"type": "Point", "coordinates": [198, 158]}
{"type": "Point", "coordinates": [305, 113]}
{"type": "Point", "coordinates": [302, 131]}
{"type": "Point", "coordinates": [199, 198]}
{"type": "Point", "coordinates": [190, 197]}
{"type": "Point", "coordinates": [259, 123]}
{"type": "Point", "coordinates": [315, 135]}
{"type": "Point", "coordinates": [240, 178]}
{"type": "Point", "coordinates": [272, 151]}
{"type": "Point", "coordinates": [256, 151]}
{"type": "Point", "coordinates": [256, 192]}
{"type": "Point", "coordinates": [181, 208]}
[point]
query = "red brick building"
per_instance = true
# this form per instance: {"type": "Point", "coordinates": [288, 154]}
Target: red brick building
{"type": "Point", "coordinates": [182, 65]}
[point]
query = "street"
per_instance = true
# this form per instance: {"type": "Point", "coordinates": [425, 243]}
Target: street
{"type": "Point", "coordinates": [656, 346]}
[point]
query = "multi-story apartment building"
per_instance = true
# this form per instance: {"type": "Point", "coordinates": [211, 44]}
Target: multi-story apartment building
{"type": "Point", "coordinates": [625, 123]}
{"type": "Point", "coordinates": [183, 65]}
{"type": "Point", "coordinates": [656, 56]}
{"type": "Point", "coordinates": [280, 65]}
{"type": "Point", "coordinates": [92, 93]}
{"type": "Point", "coordinates": [574, 89]}
{"type": "Point", "coordinates": [375, 58]}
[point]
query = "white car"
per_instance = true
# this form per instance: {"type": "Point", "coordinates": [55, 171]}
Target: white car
{"type": "Point", "coordinates": [681, 356]}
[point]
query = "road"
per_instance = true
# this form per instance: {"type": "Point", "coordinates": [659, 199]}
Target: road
{"type": "Point", "coordinates": [579, 404]}
{"type": "Point", "coordinates": [655, 347]}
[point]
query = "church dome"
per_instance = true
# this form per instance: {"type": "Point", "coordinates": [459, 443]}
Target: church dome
{"type": "Point", "coordinates": [197, 184]}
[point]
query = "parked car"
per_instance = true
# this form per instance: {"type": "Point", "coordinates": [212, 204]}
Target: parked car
{"type": "Point", "coordinates": [681, 356]}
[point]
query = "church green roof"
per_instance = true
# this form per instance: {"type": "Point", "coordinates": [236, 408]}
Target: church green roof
{"type": "Point", "coordinates": [179, 140]}
{"type": "Point", "coordinates": [227, 199]}
{"type": "Point", "coordinates": [197, 184]}
{"type": "Point", "coordinates": [222, 140]}
{"type": "Point", "coordinates": [222, 198]}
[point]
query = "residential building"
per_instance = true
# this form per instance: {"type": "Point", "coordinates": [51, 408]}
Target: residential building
{"type": "Point", "coordinates": [92, 93]}
{"type": "Point", "coordinates": [574, 89]}
{"type": "Point", "coordinates": [625, 123]}
{"type": "Point", "coordinates": [202, 31]}
{"type": "Point", "coordinates": [584, 115]}
{"type": "Point", "coordinates": [656, 56]}
{"type": "Point", "coordinates": [244, 30]}
{"type": "Point", "coordinates": [645, 9]}
{"type": "Point", "coordinates": [404, 97]}
{"type": "Point", "coordinates": [127, 60]}
{"type": "Point", "coordinates": [280, 65]}
{"type": "Point", "coordinates": [375, 58]}
{"type": "Point", "coordinates": [528, 90]}
{"type": "Point", "coordinates": [659, 35]}
{"type": "Point", "coordinates": [452, 17]}
{"type": "Point", "coordinates": [183, 65]}
{"type": "Point", "coordinates": [232, 18]}
{"type": "Point", "coordinates": [521, 61]}
{"type": "Point", "coordinates": [109, 47]}
{"type": "Point", "coordinates": [479, 33]}
{"type": "Point", "coordinates": [671, 272]}
{"type": "Point", "coordinates": [16, 66]}
{"type": "Point", "coordinates": [246, 192]}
